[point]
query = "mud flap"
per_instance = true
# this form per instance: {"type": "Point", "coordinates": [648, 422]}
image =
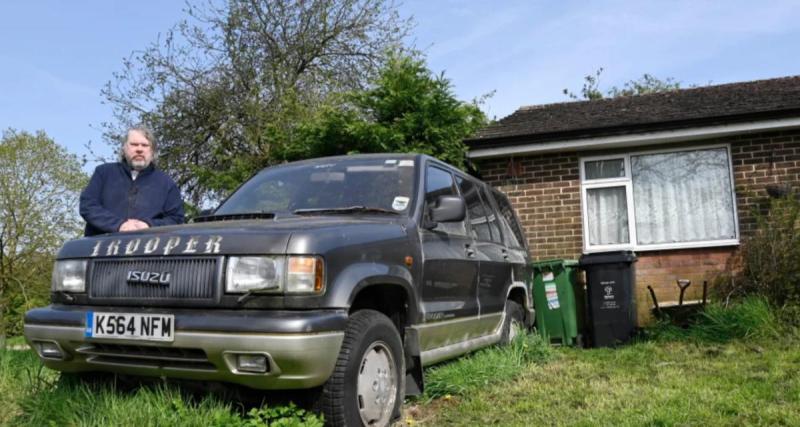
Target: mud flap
{"type": "Point", "coordinates": [415, 383]}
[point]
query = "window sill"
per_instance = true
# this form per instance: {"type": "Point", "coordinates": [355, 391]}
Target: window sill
{"type": "Point", "coordinates": [664, 246]}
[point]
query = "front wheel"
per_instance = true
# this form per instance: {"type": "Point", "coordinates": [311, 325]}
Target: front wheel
{"type": "Point", "coordinates": [367, 384]}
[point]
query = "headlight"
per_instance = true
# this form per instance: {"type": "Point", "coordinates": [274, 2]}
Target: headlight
{"type": "Point", "coordinates": [293, 274]}
{"type": "Point", "coordinates": [305, 275]}
{"type": "Point", "coordinates": [69, 276]}
{"type": "Point", "coordinates": [251, 273]}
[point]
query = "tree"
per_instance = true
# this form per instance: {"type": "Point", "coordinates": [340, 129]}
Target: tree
{"type": "Point", "coordinates": [225, 88]}
{"type": "Point", "coordinates": [408, 109]}
{"type": "Point", "coordinates": [40, 183]}
{"type": "Point", "coordinates": [642, 86]}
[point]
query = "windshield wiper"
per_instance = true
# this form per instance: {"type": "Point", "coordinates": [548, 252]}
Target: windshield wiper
{"type": "Point", "coordinates": [344, 210]}
{"type": "Point", "coordinates": [226, 217]}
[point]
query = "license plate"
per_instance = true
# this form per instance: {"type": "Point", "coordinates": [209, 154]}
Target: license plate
{"type": "Point", "coordinates": [132, 326]}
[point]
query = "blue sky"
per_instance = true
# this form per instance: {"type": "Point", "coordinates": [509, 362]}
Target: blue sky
{"type": "Point", "coordinates": [55, 56]}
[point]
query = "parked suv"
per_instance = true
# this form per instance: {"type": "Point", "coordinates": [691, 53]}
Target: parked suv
{"type": "Point", "coordinates": [343, 275]}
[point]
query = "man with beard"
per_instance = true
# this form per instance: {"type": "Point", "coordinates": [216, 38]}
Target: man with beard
{"type": "Point", "coordinates": [131, 194]}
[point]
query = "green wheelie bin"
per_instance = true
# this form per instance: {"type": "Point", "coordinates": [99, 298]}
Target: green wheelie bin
{"type": "Point", "coordinates": [559, 301]}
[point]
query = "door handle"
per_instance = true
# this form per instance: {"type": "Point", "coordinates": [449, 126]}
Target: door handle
{"type": "Point", "coordinates": [468, 249]}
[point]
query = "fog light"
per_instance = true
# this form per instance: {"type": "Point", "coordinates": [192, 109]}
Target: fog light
{"type": "Point", "coordinates": [49, 349]}
{"type": "Point", "coordinates": [251, 363]}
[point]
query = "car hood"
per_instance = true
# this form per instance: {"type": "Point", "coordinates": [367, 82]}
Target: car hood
{"type": "Point", "coordinates": [265, 236]}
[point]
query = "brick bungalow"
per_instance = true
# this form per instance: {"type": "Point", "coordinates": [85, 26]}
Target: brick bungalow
{"type": "Point", "coordinates": [673, 176]}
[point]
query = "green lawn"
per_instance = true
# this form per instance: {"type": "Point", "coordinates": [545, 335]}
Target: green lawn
{"type": "Point", "coordinates": [735, 367]}
{"type": "Point", "coordinates": [674, 383]}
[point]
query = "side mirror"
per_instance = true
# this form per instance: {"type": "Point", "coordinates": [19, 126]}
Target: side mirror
{"type": "Point", "coordinates": [447, 209]}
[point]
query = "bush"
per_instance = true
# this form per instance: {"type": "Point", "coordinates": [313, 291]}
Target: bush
{"type": "Point", "coordinates": [768, 263]}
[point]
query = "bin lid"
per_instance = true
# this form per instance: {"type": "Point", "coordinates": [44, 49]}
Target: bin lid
{"type": "Point", "coordinates": [607, 257]}
{"type": "Point", "coordinates": [552, 264]}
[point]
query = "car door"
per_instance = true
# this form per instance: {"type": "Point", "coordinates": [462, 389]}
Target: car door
{"type": "Point", "coordinates": [514, 239]}
{"type": "Point", "coordinates": [494, 272]}
{"type": "Point", "coordinates": [450, 271]}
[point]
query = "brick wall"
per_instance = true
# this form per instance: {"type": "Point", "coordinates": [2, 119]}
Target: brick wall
{"type": "Point", "coordinates": [545, 191]}
{"type": "Point", "coordinates": [662, 269]}
{"type": "Point", "coordinates": [758, 161]}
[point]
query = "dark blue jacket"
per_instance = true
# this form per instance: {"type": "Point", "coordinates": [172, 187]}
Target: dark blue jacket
{"type": "Point", "coordinates": [112, 198]}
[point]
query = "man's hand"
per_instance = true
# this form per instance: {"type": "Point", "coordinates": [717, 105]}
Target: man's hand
{"type": "Point", "coordinates": [132, 225]}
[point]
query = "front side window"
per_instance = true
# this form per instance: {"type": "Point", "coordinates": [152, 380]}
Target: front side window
{"type": "Point", "coordinates": [659, 200]}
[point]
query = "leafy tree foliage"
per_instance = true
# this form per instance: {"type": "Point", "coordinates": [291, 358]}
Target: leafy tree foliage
{"type": "Point", "coordinates": [226, 88]}
{"type": "Point", "coordinates": [642, 86]}
{"type": "Point", "coordinates": [408, 109]}
{"type": "Point", "coordinates": [40, 183]}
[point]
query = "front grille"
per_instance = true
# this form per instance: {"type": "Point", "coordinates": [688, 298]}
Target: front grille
{"type": "Point", "coordinates": [147, 356]}
{"type": "Point", "coordinates": [191, 280]}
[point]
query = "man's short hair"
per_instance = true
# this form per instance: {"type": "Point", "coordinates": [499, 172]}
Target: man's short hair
{"type": "Point", "coordinates": [148, 135]}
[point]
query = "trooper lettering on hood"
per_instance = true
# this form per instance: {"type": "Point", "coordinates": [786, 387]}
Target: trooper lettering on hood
{"type": "Point", "coordinates": [158, 246]}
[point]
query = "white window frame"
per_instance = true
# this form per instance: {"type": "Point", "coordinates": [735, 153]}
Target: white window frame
{"type": "Point", "coordinates": [627, 182]}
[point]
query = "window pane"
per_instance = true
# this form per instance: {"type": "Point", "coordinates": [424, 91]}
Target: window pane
{"type": "Point", "coordinates": [608, 216]}
{"type": "Point", "coordinates": [510, 225]}
{"type": "Point", "coordinates": [477, 216]}
{"type": "Point", "coordinates": [683, 197]}
{"type": "Point", "coordinates": [598, 169]}
{"type": "Point", "coordinates": [491, 216]}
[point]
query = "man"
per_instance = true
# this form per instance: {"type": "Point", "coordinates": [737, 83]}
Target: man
{"type": "Point", "coordinates": [131, 194]}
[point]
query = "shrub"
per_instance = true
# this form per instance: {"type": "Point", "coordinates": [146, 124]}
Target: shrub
{"type": "Point", "coordinates": [768, 263]}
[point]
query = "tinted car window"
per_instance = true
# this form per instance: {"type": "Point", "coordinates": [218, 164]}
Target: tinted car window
{"type": "Point", "coordinates": [491, 217]}
{"type": "Point", "coordinates": [509, 221]}
{"type": "Point", "coordinates": [477, 215]}
{"type": "Point", "coordinates": [439, 182]}
{"type": "Point", "coordinates": [338, 183]}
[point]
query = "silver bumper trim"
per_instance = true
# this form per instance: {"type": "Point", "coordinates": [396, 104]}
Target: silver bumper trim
{"type": "Point", "coordinates": [296, 360]}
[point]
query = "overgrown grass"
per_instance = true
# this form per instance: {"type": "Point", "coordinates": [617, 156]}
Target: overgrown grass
{"type": "Point", "coordinates": [15, 341]}
{"type": "Point", "coordinates": [736, 366]}
{"type": "Point", "coordinates": [489, 366]}
{"type": "Point", "coordinates": [751, 318]}
{"type": "Point", "coordinates": [36, 396]}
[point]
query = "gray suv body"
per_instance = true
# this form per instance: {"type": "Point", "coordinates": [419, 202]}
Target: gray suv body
{"type": "Point", "coordinates": [344, 275]}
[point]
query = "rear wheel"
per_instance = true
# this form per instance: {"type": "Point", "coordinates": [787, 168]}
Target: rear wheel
{"type": "Point", "coordinates": [367, 384]}
{"type": "Point", "coordinates": [514, 322]}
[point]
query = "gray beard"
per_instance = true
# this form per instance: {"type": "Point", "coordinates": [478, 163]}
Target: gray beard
{"type": "Point", "coordinates": [138, 165]}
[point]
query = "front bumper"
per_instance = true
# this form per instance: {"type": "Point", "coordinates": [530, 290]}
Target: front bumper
{"type": "Point", "coordinates": [301, 347]}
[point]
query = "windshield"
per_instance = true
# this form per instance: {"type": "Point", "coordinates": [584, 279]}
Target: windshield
{"type": "Point", "coordinates": [353, 184]}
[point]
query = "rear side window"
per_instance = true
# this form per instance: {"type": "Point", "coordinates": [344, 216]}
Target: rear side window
{"type": "Point", "coordinates": [509, 222]}
{"type": "Point", "coordinates": [478, 215]}
{"type": "Point", "coordinates": [439, 182]}
{"type": "Point", "coordinates": [491, 217]}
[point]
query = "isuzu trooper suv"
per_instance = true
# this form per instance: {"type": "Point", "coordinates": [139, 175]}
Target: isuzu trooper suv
{"type": "Point", "coordinates": [342, 275]}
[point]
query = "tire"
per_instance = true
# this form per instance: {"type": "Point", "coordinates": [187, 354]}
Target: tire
{"type": "Point", "coordinates": [513, 324]}
{"type": "Point", "coordinates": [368, 383]}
